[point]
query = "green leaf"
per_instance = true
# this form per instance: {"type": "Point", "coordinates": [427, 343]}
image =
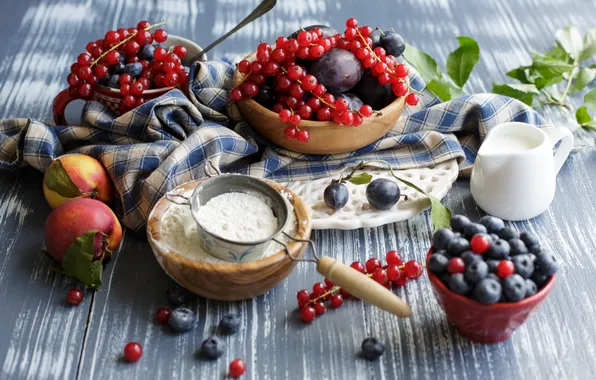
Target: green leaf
{"type": "Point", "coordinates": [549, 67]}
{"type": "Point", "coordinates": [425, 65]}
{"type": "Point", "coordinates": [541, 82]}
{"type": "Point", "coordinates": [582, 116]}
{"type": "Point", "coordinates": [589, 45]}
{"type": "Point", "coordinates": [558, 53]}
{"type": "Point", "coordinates": [521, 74]}
{"type": "Point", "coordinates": [590, 99]}
{"type": "Point", "coordinates": [523, 92]}
{"type": "Point", "coordinates": [361, 179]}
{"type": "Point", "coordinates": [440, 88]}
{"type": "Point", "coordinates": [585, 76]}
{"type": "Point", "coordinates": [78, 261]}
{"type": "Point", "coordinates": [58, 180]}
{"type": "Point", "coordinates": [461, 62]}
{"type": "Point", "coordinates": [571, 40]}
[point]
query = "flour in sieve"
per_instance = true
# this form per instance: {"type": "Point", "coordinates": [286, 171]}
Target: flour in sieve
{"type": "Point", "coordinates": [239, 217]}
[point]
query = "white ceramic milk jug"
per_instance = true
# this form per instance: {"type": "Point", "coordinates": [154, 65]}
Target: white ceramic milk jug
{"type": "Point", "coordinates": [514, 175]}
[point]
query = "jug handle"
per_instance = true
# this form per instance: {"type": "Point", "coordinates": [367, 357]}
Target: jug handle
{"type": "Point", "coordinates": [564, 135]}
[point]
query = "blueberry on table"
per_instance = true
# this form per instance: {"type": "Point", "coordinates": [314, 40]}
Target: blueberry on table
{"type": "Point", "coordinates": [437, 263]}
{"type": "Point", "coordinates": [488, 291]}
{"type": "Point", "coordinates": [499, 250]}
{"type": "Point", "coordinates": [382, 193]}
{"type": "Point", "coordinates": [492, 224]}
{"type": "Point", "coordinates": [476, 271]}
{"type": "Point", "coordinates": [517, 247]}
{"type": "Point", "coordinates": [531, 288]}
{"type": "Point", "coordinates": [182, 319]}
{"type": "Point", "coordinates": [508, 233]}
{"type": "Point", "coordinates": [134, 69]}
{"type": "Point", "coordinates": [372, 348]}
{"type": "Point", "coordinates": [114, 81]}
{"type": "Point", "coordinates": [459, 222]}
{"type": "Point", "coordinates": [457, 246]}
{"type": "Point", "coordinates": [547, 263]}
{"type": "Point", "coordinates": [393, 43]}
{"type": "Point", "coordinates": [177, 295]}
{"type": "Point", "coordinates": [458, 284]}
{"type": "Point", "coordinates": [229, 324]}
{"type": "Point", "coordinates": [336, 195]}
{"type": "Point", "coordinates": [524, 266]}
{"type": "Point", "coordinates": [441, 238]}
{"type": "Point", "coordinates": [492, 265]}
{"type": "Point", "coordinates": [469, 257]}
{"type": "Point", "coordinates": [212, 348]}
{"type": "Point", "coordinates": [472, 229]}
{"type": "Point", "coordinates": [514, 288]}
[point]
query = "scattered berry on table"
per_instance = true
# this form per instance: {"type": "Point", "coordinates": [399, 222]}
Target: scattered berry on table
{"type": "Point", "coordinates": [177, 295]}
{"type": "Point", "coordinates": [307, 314]}
{"type": "Point", "coordinates": [229, 324]}
{"type": "Point", "coordinates": [336, 301]}
{"type": "Point", "coordinates": [162, 315]}
{"type": "Point", "coordinates": [133, 352]}
{"type": "Point", "coordinates": [74, 296]}
{"type": "Point", "coordinates": [212, 348]}
{"type": "Point", "coordinates": [182, 320]}
{"type": "Point", "coordinates": [237, 368]}
{"type": "Point", "coordinates": [358, 266]}
{"type": "Point", "coordinates": [413, 269]}
{"type": "Point", "coordinates": [372, 265]}
{"type": "Point", "coordinates": [320, 308]}
{"type": "Point", "coordinates": [372, 349]}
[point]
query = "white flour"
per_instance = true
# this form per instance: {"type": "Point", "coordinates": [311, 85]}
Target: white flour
{"type": "Point", "coordinates": [239, 217]}
{"type": "Point", "coordinates": [179, 233]}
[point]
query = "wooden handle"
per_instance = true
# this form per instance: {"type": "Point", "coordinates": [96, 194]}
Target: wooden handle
{"type": "Point", "coordinates": [361, 286]}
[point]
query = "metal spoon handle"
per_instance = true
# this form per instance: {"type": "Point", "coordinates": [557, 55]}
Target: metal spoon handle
{"type": "Point", "coordinates": [264, 7]}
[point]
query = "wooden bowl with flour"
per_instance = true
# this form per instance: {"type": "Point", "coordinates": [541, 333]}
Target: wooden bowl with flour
{"type": "Point", "coordinates": [185, 262]}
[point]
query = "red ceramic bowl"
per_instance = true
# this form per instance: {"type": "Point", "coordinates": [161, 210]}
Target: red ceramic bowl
{"type": "Point", "coordinates": [485, 323]}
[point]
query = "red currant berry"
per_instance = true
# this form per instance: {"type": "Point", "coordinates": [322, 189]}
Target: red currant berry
{"type": "Point", "coordinates": [133, 352]}
{"type": "Point", "coordinates": [162, 315]}
{"type": "Point", "coordinates": [380, 67]}
{"type": "Point", "coordinates": [413, 269]}
{"type": "Point", "coordinates": [137, 88]}
{"type": "Point", "coordinates": [292, 45]}
{"type": "Point", "coordinates": [84, 90]}
{"type": "Point", "coordinates": [84, 59]}
{"type": "Point", "coordinates": [367, 111]}
{"type": "Point", "coordinates": [400, 88]}
{"type": "Point", "coordinates": [73, 79]}
{"type": "Point", "coordinates": [329, 99]}
{"type": "Point", "coordinates": [92, 80]}
{"type": "Point", "coordinates": [125, 89]}
{"type": "Point", "coordinates": [256, 67]}
{"type": "Point", "coordinates": [263, 56]}
{"type": "Point", "coordinates": [320, 90]}
{"type": "Point", "coordinates": [296, 91]}
{"type": "Point", "coordinates": [316, 51]}
{"type": "Point", "coordinates": [342, 104]}
{"type": "Point", "coordinates": [295, 72]}
{"type": "Point", "coordinates": [351, 22]}
{"type": "Point", "coordinates": [358, 266]}
{"type": "Point", "coordinates": [132, 59]}
{"type": "Point", "coordinates": [384, 78]}
{"type": "Point", "coordinates": [132, 30]}
{"type": "Point", "coordinates": [363, 53]}
{"type": "Point", "coordinates": [303, 52]}
{"type": "Point", "coordinates": [112, 37]}
{"type": "Point", "coordinates": [291, 101]}
{"type": "Point", "coordinates": [304, 38]}
{"type": "Point", "coordinates": [303, 136]}
{"type": "Point", "coordinates": [243, 66]}
{"type": "Point", "coordinates": [456, 265]}
{"type": "Point", "coordinates": [129, 101]}
{"type": "Point", "coordinates": [278, 55]}
{"type": "Point", "coordinates": [336, 116]}
{"type": "Point", "coordinates": [393, 258]}
{"type": "Point", "coordinates": [372, 265]}
{"type": "Point", "coordinates": [328, 284]}
{"type": "Point", "coordinates": [307, 314]}
{"type": "Point", "coordinates": [303, 298]}
{"type": "Point", "coordinates": [480, 243]}
{"type": "Point", "coordinates": [236, 94]}
{"type": "Point", "coordinates": [314, 103]}
{"type": "Point", "coordinates": [169, 67]}
{"type": "Point", "coordinates": [342, 43]}
{"type": "Point", "coordinates": [365, 31]}
{"type": "Point", "coordinates": [369, 62]}
{"type": "Point", "coordinates": [380, 276]}
{"type": "Point", "coordinates": [350, 34]}
{"type": "Point", "coordinates": [283, 83]}
{"type": "Point", "coordinates": [380, 52]}
{"type": "Point", "coordinates": [263, 46]}
{"type": "Point", "coordinates": [393, 272]}
{"type": "Point", "coordinates": [143, 37]}
{"type": "Point", "coordinates": [84, 72]}
{"type": "Point", "coordinates": [345, 294]}
{"type": "Point", "coordinates": [113, 57]}
{"type": "Point", "coordinates": [290, 133]}
{"type": "Point", "coordinates": [284, 116]}
{"type": "Point", "coordinates": [333, 40]}
{"type": "Point", "coordinates": [171, 79]}
{"type": "Point", "coordinates": [295, 120]}
{"type": "Point", "coordinates": [505, 268]}
{"type": "Point", "coordinates": [391, 62]}
{"type": "Point", "coordinates": [319, 308]}
{"type": "Point", "coordinates": [89, 47]}
{"type": "Point", "coordinates": [347, 118]}
{"type": "Point", "coordinates": [158, 79]}
{"type": "Point", "coordinates": [258, 79]}
{"type": "Point", "coordinates": [143, 25]}
{"type": "Point", "coordinates": [237, 368]}
{"type": "Point", "coordinates": [123, 33]}
{"type": "Point", "coordinates": [125, 78]}
{"type": "Point", "coordinates": [324, 114]}
{"type": "Point", "coordinates": [145, 82]}
{"type": "Point", "coordinates": [326, 44]}
{"type": "Point", "coordinates": [100, 71]}
{"type": "Point", "coordinates": [96, 51]}
{"type": "Point", "coordinates": [305, 112]}
{"type": "Point", "coordinates": [160, 36]}
{"type": "Point", "coordinates": [132, 48]}
{"type": "Point", "coordinates": [160, 54]}
{"type": "Point", "coordinates": [249, 88]}
{"type": "Point", "coordinates": [74, 296]}
{"type": "Point", "coordinates": [180, 51]}
{"type": "Point", "coordinates": [336, 301]}
{"type": "Point", "coordinates": [401, 71]}
{"type": "Point", "coordinates": [401, 280]}
{"type": "Point", "coordinates": [412, 99]}
{"type": "Point", "coordinates": [357, 120]}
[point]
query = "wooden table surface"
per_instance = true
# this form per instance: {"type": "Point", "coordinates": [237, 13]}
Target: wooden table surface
{"type": "Point", "coordinates": [43, 338]}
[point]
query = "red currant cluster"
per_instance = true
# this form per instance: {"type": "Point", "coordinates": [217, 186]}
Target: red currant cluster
{"type": "Point", "coordinates": [395, 274]}
{"type": "Point", "coordinates": [126, 59]}
{"type": "Point", "coordinates": [300, 96]}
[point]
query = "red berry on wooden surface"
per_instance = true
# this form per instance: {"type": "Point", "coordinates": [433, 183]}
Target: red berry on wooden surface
{"type": "Point", "coordinates": [380, 276]}
{"type": "Point", "coordinates": [372, 264]}
{"type": "Point", "coordinates": [162, 315]}
{"type": "Point", "coordinates": [319, 308]}
{"type": "Point", "coordinates": [392, 257]}
{"type": "Point", "coordinates": [413, 269]}
{"type": "Point", "coordinates": [307, 314]}
{"type": "Point", "coordinates": [358, 266]}
{"type": "Point", "coordinates": [74, 296]}
{"type": "Point", "coordinates": [237, 368]}
{"type": "Point", "coordinates": [133, 352]}
{"type": "Point", "coordinates": [401, 280]}
{"type": "Point", "coordinates": [393, 272]}
{"type": "Point", "coordinates": [357, 120]}
{"type": "Point", "coordinates": [336, 301]}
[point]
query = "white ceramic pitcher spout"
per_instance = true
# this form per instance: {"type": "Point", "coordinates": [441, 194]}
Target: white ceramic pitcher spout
{"type": "Point", "coordinates": [514, 175]}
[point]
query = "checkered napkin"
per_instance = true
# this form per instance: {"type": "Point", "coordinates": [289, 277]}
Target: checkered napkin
{"type": "Point", "coordinates": [169, 140]}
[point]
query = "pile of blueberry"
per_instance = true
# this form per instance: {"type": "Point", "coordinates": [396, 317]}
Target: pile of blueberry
{"type": "Point", "coordinates": [489, 262]}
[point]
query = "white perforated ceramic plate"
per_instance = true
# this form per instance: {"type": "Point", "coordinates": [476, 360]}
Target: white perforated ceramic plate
{"type": "Point", "coordinates": [359, 214]}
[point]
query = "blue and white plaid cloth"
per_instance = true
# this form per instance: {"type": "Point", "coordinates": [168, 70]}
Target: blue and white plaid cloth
{"type": "Point", "coordinates": [169, 140]}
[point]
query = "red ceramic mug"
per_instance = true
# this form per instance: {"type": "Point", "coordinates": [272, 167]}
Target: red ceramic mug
{"type": "Point", "coordinates": [111, 97]}
{"type": "Point", "coordinates": [485, 323]}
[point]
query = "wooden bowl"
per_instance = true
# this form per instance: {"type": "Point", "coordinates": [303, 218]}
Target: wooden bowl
{"type": "Point", "coordinates": [326, 137]}
{"type": "Point", "coordinates": [228, 282]}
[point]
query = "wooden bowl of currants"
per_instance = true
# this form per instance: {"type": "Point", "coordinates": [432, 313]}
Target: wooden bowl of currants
{"type": "Point", "coordinates": [321, 92]}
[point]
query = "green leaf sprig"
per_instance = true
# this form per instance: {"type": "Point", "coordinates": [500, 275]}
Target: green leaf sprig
{"type": "Point", "coordinates": [460, 64]}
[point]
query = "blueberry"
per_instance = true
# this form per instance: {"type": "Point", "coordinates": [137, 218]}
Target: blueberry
{"type": "Point", "coordinates": [212, 348]}
{"type": "Point", "coordinates": [459, 222]}
{"type": "Point", "coordinates": [122, 58]}
{"type": "Point", "coordinates": [445, 278]}
{"type": "Point", "coordinates": [539, 278]}
{"type": "Point", "coordinates": [382, 193]}
{"type": "Point", "coordinates": [514, 288]}
{"type": "Point", "coordinates": [524, 266]}
{"type": "Point", "coordinates": [372, 348]}
{"type": "Point", "coordinates": [114, 81]}
{"type": "Point", "coordinates": [458, 284]}
{"type": "Point", "coordinates": [529, 238]}
{"type": "Point", "coordinates": [498, 250]}
{"type": "Point", "coordinates": [488, 291]}
{"type": "Point", "coordinates": [437, 263]}
{"type": "Point", "coordinates": [177, 295]}
{"type": "Point", "coordinates": [229, 324]}
{"type": "Point", "coordinates": [393, 43]}
{"type": "Point", "coordinates": [531, 288]}
{"type": "Point", "coordinates": [104, 81]}
{"type": "Point", "coordinates": [517, 247]}
{"type": "Point", "coordinates": [492, 265]}
{"type": "Point", "coordinates": [535, 248]}
{"type": "Point", "coordinates": [458, 246]}
{"type": "Point", "coordinates": [442, 252]}
{"type": "Point", "coordinates": [547, 263]}
{"type": "Point", "coordinates": [117, 68]}
{"type": "Point", "coordinates": [508, 233]}
{"type": "Point", "coordinates": [469, 257]}
{"type": "Point", "coordinates": [441, 238]}
{"type": "Point", "coordinates": [134, 69]}
{"type": "Point", "coordinates": [494, 277]}
{"type": "Point", "coordinates": [476, 271]}
{"type": "Point", "coordinates": [182, 319]}
{"type": "Point", "coordinates": [336, 195]}
{"type": "Point", "coordinates": [146, 52]}
{"type": "Point", "coordinates": [472, 229]}
{"type": "Point", "coordinates": [495, 237]}
{"type": "Point", "coordinates": [492, 224]}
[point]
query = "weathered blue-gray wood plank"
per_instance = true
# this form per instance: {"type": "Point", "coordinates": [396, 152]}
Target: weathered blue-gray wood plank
{"type": "Point", "coordinates": [44, 339]}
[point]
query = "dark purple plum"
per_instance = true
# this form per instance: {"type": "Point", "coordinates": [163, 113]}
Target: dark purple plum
{"type": "Point", "coordinates": [266, 97]}
{"type": "Point", "coordinates": [353, 100]}
{"type": "Point", "coordinates": [372, 93]}
{"type": "Point", "coordinates": [338, 70]}
{"type": "Point", "coordinates": [393, 43]}
{"type": "Point", "coordinates": [327, 31]}
{"type": "Point", "coordinates": [376, 38]}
